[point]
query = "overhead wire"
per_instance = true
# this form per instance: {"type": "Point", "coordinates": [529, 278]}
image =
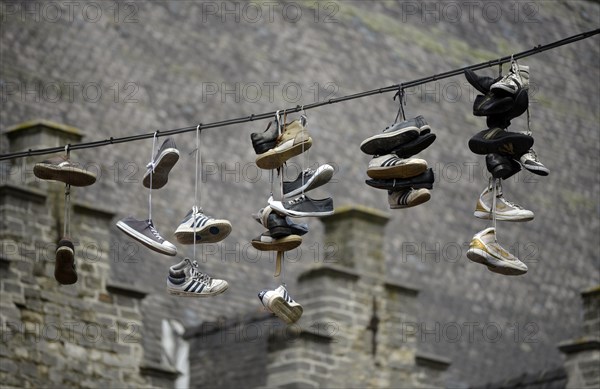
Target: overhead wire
{"type": "Point", "coordinates": [269, 115]}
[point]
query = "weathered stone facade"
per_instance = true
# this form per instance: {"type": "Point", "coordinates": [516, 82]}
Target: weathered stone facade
{"type": "Point", "coordinates": [138, 67]}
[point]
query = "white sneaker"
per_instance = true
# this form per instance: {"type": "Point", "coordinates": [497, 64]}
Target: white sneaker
{"type": "Point", "coordinates": [389, 166]}
{"type": "Point", "coordinates": [408, 198]}
{"type": "Point", "coordinates": [185, 279]}
{"type": "Point", "coordinates": [205, 228]}
{"type": "Point", "coordinates": [281, 304]}
{"type": "Point", "coordinates": [505, 210]}
{"type": "Point", "coordinates": [485, 250]}
{"type": "Point", "coordinates": [517, 78]}
{"type": "Point", "coordinates": [530, 161]}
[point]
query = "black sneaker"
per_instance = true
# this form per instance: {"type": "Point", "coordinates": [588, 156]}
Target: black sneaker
{"type": "Point", "coordinates": [266, 242]}
{"type": "Point", "coordinates": [307, 180]}
{"type": "Point", "coordinates": [303, 206]}
{"type": "Point", "coordinates": [501, 166]}
{"type": "Point", "coordinates": [422, 181]}
{"type": "Point", "coordinates": [265, 141]}
{"type": "Point", "coordinates": [279, 226]}
{"type": "Point", "coordinates": [144, 232]}
{"type": "Point", "coordinates": [481, 83]}
{"type": "Point", "coordinates": [391, 138]}
{"type": "Point", "coordinates": [415, 146]}
{"type": "Point", "coordinates": [166, 157]}
{"type": "Point", "coordinates": [61, 169]}
{"type": "Point", "coordinates": [521, 102]}
{"type": "Point", "coordinates": [491, 104]}
{"type": "Point", "coordinates": [496, 140]}
{"type": "Point", "coordinates": [64, 267]}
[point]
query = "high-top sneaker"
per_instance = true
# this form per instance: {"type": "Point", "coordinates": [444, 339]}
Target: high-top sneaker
{"type": "Point", "coordinates": [265, 141]}
{"type": "Point", "coordinates": [293, 141]}
{"type": "Point", "coordinates": [505, 210]}
{"type": "Point", "coordinates": [185, 279]}
{"type": "Point", "coordinates": [517, 78]}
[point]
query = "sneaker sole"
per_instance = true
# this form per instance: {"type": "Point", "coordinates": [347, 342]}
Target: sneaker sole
{"type": "Point", "coordinates": [64, 272]}
{"type": "Point", "coordinates": [514, 145]}
{"type": "Point", "coordinates": [399, 171]}
{"type": "Point", "coordinates": [321, 177]}
{"type": "Point", "coordinates": [275, 206]}
{"type": "Point", "coordinates": [181, 293]}
{"type": "Point", "coordinates": [507, 218]}
{"type": "Point", "coordinates": [423, 198]}
{"type": "Point", "coordinates": [211, 233]}
{"type": "Point", "coordinates": [275, 159]}
{"type": "Point", "coordinates": [415, 146]}
{"type": "Point", "coordinates": [283, 311]}
{"type": "Point", "coordinates": [167, 159]}
{"type": "Point", "coordinates": [384, 143]}
{"type": "Point", "coordinates": [144, 240]}
{"type": "Point", "coordinates": [540, 171]}
{"type": "Point", "coordinates": [72, 176]}
{"type": "Point", "coordinates": [287, 243]}
{"type": "Point", "coordinates": [484, 258]}
{"type": "Point", "coordinates": [392, 185]}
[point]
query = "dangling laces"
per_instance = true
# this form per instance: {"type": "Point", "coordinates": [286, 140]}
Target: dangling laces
{"type": "Point", "coordinates": [305, 156]}
{"type": "Point", "coordinates": [402, 101]}
{"type": "Point", "coordinates": [66, 225]}
{"type": "Point", "coordinates": [494, 210]}
{"type": "Point", "coordinates": [197, 202]}
{"type": "Point", "coordinates": [151, 166]}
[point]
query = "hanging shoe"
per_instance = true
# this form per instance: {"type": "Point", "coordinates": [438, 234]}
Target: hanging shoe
{"type": "Point", "coordinates": [303, 206]}
{"type": "Point", "coordinates": [505, 210]}
{"type": "Point", "coordinates": [517, 78]}
{"type": "Point", "coordinates": [496, 140]}
{"type": "Point", "coordinates": [492, 104]}
{"type": "Point", "coordinates": [293, 141]}
{"type": "Point", "coordinates": [530, 161]}
{"type": "Point", "coordinates": [280, 303]}
{"type": "Point", "coordinates": [414, 146]}
{"type": "Point", "coordinates": [481, 83]}
{"type": "Point", "coordinates": [266, 242]}
{"type": "Point", "coordinates": [185, 279]}
{"type": "Point", "coordinates": [279, 226]}
{"type": "Point", "coordinates": [265, 141]}
{"type": "Point", "coordinates": [390, 166]}
{"type": "Point", "coordinates": [206, 229]}
{"type": "Point", "coordinates": [308, 179]}
{"type": "Point", "coordinates": [166, 157]}
{"type": "Point", "coordinates": [61, 169]}
{"type": "Point", "coordinates": [408, 198]}
{"type": "Point", "coordinates": [65, 271]}
{"type": "Point", "coordinates": [391, 138]}
{"type": "Point", "coordinates": [519, 106]}
{"type": "Point", "coordinates": [422, 181]}
{"type": "Point", "coordinates": [485, 250]}
{"type": "Point", "coordinates": [144, 232]}
{"type": "Point", "coordinates": [501, 166]}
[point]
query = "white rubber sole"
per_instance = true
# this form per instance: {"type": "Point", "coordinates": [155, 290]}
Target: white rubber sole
{"type": "Point", "coordinates": [495, 265]}
{"type": "Point", "coordinates": [506, 218]}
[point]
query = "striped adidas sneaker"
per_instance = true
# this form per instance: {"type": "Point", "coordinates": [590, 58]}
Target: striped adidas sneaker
{"type": "Point", "coordinates": [206, 228]}
{"type": "Point", "coordinates": [389, 166]}
{"type": "Point", "coordinates": [280, 303]}
{"type": "Point", "coordinates": [408, 198]}
{"type": "Point", "coordinates": [185, 279]}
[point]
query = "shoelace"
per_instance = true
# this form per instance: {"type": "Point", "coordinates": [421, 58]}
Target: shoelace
{"type": "Point", "coordinates": [155, 233]}
{"type": "Point", "coordinates": [534, 155]}
{"type": "Point", "coordinates": [151, 165]}
{"type": "Point", "coordinates": [510, 203]}
{"type": "Point", "coordinates": [198, 275]}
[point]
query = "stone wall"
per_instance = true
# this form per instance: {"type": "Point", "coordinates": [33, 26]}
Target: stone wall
{"type": "Point", "coordinates": [170, 64]}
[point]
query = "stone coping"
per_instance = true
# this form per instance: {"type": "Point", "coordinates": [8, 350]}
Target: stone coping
{"type": "Point", "coordinates": [13, 130]}
{"type": "Point", "coordinates": [591, 292]}
{"type": "Point", "coordinates": [155, 370]}
{"type": "Point", "coordinates": [358, 212]}
{"type": "Point", "coordinates": [23, 192]}
{"type": "Point", "coordinates": [123, 289]}
{"type": "Point", "coordinates": [432, 361]}
{"type": "Point", "coordinates": [584, 343]}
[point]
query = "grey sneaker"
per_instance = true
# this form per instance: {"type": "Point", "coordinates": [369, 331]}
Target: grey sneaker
{"type": "Point", "coordinates": [303, 206]}
{"type": "Point", "coordinates": [61, 169]}
{"type": "Point", "coordinates": [307, 180]}
{"type": "Point", "coordinates": [392, 137]}
{"type": "Point", "coordinates": [144, 232]}
{"type": "Point", "coordinates": [166, 157]}
{"type": "Point", "coordinates": [531, 162]}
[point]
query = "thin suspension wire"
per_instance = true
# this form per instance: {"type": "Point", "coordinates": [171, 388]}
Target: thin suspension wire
{"type": "Point", "coordinates": [392, 88]}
